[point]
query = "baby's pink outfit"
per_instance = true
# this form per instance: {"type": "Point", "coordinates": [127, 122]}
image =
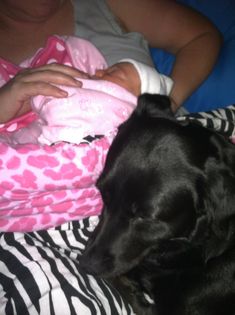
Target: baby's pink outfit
{"type": "Point", "coordinates": [97, 108]}
{"type": "Point", "coordinates": [42, 185]}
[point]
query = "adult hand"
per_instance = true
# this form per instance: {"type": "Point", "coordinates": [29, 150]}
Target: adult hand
{"type": "Point", "coordinates": [15, 95]}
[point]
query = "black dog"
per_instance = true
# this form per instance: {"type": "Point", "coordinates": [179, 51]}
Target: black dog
{"type": "Point", "coordinates": [168, 221]}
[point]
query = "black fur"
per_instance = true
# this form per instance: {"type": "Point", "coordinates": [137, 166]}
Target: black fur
{"type": "Point", "coordinates": [168, 222]}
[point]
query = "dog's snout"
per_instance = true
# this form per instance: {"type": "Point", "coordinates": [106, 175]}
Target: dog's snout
{"type": "Point", "coordinates": [96, 263]}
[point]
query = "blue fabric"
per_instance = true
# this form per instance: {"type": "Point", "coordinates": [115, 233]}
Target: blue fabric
{"type": "Point", "coordinates": [219, 88]}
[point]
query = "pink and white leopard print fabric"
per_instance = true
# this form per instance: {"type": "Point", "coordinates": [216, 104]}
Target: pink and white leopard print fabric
{"type": "Point", "coordinates": [42, 186]}
{"type": "Point", "coordinates": [45, 186]}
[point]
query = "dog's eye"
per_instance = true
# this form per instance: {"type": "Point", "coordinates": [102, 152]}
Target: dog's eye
{"type": "Point", "coordinates": [136, 211]}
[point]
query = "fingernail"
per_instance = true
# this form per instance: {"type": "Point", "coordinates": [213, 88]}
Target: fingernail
{"type": "Point", "coordinates": [79, 83]}
{"type": "Point", "coordinates": [63, 93]}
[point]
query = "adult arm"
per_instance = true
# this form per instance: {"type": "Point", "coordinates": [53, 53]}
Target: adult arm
{"type": "Point", "coordinates": [166, 24]}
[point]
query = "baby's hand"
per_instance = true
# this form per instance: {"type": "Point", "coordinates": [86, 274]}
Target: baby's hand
{"type": "Point", "coordinates": [15, 95]}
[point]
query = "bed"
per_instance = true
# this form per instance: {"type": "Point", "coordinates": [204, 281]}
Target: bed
{"type": "Point", "coordinates": [41, 273]}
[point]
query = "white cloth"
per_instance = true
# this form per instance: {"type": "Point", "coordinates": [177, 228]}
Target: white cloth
{"type": "Point", "coordinates": [151, 80]}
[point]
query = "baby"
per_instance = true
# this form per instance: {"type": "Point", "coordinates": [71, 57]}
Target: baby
{"type": "Point", "coordinates": [107, 97]}
{"type": "Point", "coordinates": [136, 77]}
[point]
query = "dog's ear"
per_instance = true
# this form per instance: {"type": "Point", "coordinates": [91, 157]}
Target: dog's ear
{"type": "Point", "coordinates": [214, 227]}
{"type": "Point", "coordinates": [154, 105]}
{"type": "Point", "coordinates": [220, 200]}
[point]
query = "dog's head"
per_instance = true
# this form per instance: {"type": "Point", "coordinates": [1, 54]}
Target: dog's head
{"type": "Point", "coordinates": [163, 180]}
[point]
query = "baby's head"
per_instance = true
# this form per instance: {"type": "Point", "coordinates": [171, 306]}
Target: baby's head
{"type": "Point", "coordinates": [124, 74]}
{"type": "Point", "coordinates": [136, 77]}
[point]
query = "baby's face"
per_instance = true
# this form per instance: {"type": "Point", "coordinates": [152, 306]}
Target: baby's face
{"type": "Point", "coordinates": [124, 74]}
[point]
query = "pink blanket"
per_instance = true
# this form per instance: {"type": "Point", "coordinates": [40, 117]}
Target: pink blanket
{"type": "Point", "coordinates": [44, 185]}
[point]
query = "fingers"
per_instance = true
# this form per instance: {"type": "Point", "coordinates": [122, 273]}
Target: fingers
{"type": "Point", "coordinates": [29, 89]}
{"type": "Point", "coordinates": [48, 76]}
{"type": "Point", "coordinates": [42, 80]}
{"type": "Point", "coordinates": [15, 95]}
{"type": "Point", "coordinates": [53, 73]}
{"type": "Point", "coordinates": [60, 68]}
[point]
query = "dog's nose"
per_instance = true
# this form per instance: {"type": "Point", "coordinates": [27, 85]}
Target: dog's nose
{"type": "Point", "coordinates": [96, 264]}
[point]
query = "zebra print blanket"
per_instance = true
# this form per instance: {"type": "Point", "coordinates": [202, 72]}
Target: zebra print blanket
{"type": "Point", "coordinates": [40, 274]}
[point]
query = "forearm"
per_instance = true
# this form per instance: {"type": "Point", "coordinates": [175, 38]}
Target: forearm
{"type": "Point", "coordinates": [7, 113]}
{"type": "Point", "coordinates": [193, 64]}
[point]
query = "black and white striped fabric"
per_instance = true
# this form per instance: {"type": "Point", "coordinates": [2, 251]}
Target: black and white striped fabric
{"type": "Point", "coordinates": [39, 271]}
{"type": "Point", "coordinates": [221, 120]}
{"type": "Point", "coordinates": [39, 274]}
